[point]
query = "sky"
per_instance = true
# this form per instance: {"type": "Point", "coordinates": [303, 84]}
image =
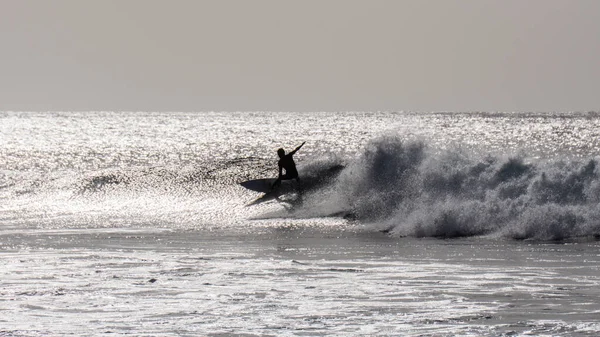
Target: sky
{"type": "Point", "coordinates": [310, 55]}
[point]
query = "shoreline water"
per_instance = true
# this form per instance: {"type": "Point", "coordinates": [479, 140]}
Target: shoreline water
{"type": "Point", "coordinates": [291, 281]}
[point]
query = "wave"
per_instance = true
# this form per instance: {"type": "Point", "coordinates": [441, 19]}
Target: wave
{"type": "Point", "coordinates": [405, 188]}
{"type": "Point", "coordinates": [410, 189]}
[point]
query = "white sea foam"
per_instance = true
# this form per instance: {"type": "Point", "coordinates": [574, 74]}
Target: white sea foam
{"type": "Point", "coordinates": [411, 189]}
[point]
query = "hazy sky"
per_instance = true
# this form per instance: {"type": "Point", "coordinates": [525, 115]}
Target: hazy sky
{"type": "Point", "coordinates": [425, 55]}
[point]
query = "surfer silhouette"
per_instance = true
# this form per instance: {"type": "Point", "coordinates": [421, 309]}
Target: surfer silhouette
{"type": "Point", "coordinates": [286, 162]}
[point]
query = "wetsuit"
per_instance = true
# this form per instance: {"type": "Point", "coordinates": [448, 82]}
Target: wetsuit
{"type": "Point", "coordinates": [287, 163]}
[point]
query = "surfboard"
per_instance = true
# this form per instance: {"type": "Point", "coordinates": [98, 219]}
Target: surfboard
{"type": "Point", "coordinates": [292, 191]}
{"type": "Point", "coordinates": [284, 189]}
{"type": "Point", "coordinates": [259, 185]}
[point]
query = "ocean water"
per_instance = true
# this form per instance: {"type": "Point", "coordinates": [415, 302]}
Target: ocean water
{"type": "Point", "coordinates": [438, 224]}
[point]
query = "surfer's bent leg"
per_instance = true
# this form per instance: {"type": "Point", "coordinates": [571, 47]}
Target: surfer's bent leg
{"type": "Point", "coordinates": [286, 177]}
{"type": "Point", "coordinates": [283, 177]}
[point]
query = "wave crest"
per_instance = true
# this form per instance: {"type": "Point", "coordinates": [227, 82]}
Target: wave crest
{"type": "Point", "coordinates": [411, 189]}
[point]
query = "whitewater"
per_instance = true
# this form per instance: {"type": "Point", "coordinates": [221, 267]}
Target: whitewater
{"type": "Point", "coordinates": [428, 224]}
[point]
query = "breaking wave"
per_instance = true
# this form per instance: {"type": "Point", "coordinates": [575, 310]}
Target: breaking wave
{"type": "Point", "coordinates": [403, 187]}
{"type": "Point", "coordinates": [410, 189]}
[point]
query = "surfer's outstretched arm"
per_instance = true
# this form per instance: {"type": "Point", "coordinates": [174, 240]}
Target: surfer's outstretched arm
{"type": "Point", "coordinates": [296, 149]}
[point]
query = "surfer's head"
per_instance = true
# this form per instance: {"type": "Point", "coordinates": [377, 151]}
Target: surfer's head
{"type": "Point", "coordinates": [281, 153]}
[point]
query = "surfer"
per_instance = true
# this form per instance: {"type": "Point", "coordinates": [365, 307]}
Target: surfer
{"type": "Point", "coordinates": [286, 162]}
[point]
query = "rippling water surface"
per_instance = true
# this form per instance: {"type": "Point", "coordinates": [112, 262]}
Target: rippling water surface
{"type": "Point", "coordinates": [438, 224]}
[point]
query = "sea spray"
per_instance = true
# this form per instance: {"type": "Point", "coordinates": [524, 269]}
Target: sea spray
{"type": "Point", "coordinates": [411, 189]}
